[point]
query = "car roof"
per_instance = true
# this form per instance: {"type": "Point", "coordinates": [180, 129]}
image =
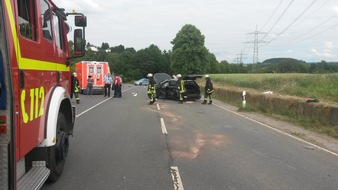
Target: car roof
{"type": "Point", "coordinates": [160, 77]}
{"type": "Point", "coordinates": [192, 77]}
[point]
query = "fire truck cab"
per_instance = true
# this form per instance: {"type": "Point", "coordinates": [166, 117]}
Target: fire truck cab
{"type": "Point", "coordinates": [36, 113]}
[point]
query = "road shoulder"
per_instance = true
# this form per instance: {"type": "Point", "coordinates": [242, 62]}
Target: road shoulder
{"type": "Point", "coordinates": [320, 140]}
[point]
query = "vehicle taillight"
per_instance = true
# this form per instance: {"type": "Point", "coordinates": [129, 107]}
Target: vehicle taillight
{"type": "Point", "coordinates": [3, 125]}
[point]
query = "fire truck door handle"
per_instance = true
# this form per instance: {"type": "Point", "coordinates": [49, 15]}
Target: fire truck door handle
{"type": "Point", "coordinates": [58, 77]}
{"type": "Point", "coordinates": [22, 79]}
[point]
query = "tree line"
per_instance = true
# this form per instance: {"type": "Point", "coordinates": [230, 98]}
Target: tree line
{"type": "Point", "coordinates": [188, 56]}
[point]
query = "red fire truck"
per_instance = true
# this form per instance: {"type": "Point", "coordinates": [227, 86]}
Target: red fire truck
{"type": "Point", "coordinates": [97, 70]}
{"type": "Point", "coordinates": [36, 113]}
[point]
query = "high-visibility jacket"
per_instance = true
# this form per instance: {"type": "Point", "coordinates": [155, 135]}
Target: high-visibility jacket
{"type": "Point", "coordinates": [151, 86]}
{"type": "Point", "coordinates": [76, 85]}
{"type": "Point", "coordinates": [180, 86]}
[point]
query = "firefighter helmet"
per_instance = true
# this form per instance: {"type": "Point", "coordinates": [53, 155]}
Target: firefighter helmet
{"type": "Point", "coordinates": [178, 75]}
{"type": "Point", "coordinates": [206, 76]}
{"type": "Point", "coordinates": [149, 75]}
{"type": "Point", "coordinates": [74, 74]}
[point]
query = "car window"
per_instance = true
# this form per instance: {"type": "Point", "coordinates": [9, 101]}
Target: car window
{"type": "Point", "coordinates": [165, 84]}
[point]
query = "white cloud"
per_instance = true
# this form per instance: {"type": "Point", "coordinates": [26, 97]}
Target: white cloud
{"type": "Point", "coordinates": [329, 45]}
{"type": "Point", "coordinates": [229, 26]}
{"type": "Point", "coordinates": [335, 9]}
{"type": "Point", "coordinates": [314, 51]}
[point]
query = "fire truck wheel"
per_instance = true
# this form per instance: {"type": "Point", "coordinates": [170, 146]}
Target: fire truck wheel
{"type": "Point", "coordinates": [58, 153]}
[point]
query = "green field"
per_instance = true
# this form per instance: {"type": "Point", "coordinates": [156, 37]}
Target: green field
{"type": "Point", "coordinates": [323, 87]}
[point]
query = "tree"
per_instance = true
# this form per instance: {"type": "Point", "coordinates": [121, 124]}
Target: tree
{"type": "Point", "coordinates": [105, 46]}
{"type": "Point", "coordinates": [117, 49]}
{"type": "Point", "coordinates": [189, 56]}
{"type": "Point", "coordinates": [150, 60]}
{"type": "Point", "coordinates": [88, 45]}
{"type": "Point", "coordinates": [225, 67]}
{"type": "Point", "coordinates": [212, 64]}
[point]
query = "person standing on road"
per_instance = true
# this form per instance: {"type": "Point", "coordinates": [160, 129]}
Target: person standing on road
{"type": "Point", "coordinates": [90, 83]}
{"type": "Point", "coordinates": [151, 88]}
{"type": "Point", "coordinates": [76, 88]}
{"type": "Point", "coordinates": [117, 84]}
{"type": "Point", "coordinates": [120, 87]}
{"type": "Point", "coordinates": [180, 87]}
{"type": "Point", "coordinates": [209, 88]}
{"type": "Point", "coordinates": [108, 81]}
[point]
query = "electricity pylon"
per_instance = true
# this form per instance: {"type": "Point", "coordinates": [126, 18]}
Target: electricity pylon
{"type": "Point", "coordinates": [256, 42]}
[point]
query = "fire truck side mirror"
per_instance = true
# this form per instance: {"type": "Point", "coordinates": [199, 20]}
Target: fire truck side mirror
{"type": "Point", "coordinates": [80, 21]}
{"type": "Point", "coordinates": [79, 42]}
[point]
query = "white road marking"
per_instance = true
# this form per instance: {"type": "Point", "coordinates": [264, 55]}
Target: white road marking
{"type": "Point", "coordinates": [164, 130]}
{"type": "Point", "coordinates": [158, 107]}
{"type": "Point", "coordinates": [279, 131]}
{"type": "Point", "coordinates": [175, 174]}
{"type": "Point", "coordinates": [87, 110]}
{"type": "Point", "coordinates": [135, 93]}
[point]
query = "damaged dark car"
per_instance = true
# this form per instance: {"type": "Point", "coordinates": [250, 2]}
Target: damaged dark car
{"type": "Point", "coordinates": [166, 87]}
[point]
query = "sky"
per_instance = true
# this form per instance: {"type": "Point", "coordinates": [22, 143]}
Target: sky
{"type": "Point", "coordinates": [234, 30]}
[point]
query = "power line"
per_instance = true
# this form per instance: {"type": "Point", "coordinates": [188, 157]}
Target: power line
{"type": "Point", "coordinates": [308, 31]}
{"type": "Point", "coordinates": [318, 33]}
{"type": "Point", "coordinates": [306, 9]}
{"type": "Point", "coordinates": [314, 11]}
{"type": "Point", "coordinates": [273, 13]}
{"type": "Point", "coordinates": [279, 18]}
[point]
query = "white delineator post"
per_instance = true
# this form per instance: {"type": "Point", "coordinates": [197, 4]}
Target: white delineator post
{"type": "Point", "coordinates": [244, 98]}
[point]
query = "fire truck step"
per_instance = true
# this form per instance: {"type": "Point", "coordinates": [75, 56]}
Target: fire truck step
{"type": "Point", "coordinates": [36, 177]}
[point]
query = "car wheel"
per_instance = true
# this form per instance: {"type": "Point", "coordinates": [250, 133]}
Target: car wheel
{"type": "Point", "coordinates": [57, 154]}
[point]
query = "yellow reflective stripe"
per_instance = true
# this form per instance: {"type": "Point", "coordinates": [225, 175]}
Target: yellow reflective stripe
{"type": "Point", "coordinates": [12, 24]}
{"type": "Point", "coordinates": [31, 64]}
{"type": "Point", "coordinates": [25, 63]}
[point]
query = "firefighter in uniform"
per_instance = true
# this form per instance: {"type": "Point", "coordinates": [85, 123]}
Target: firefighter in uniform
{"type": "Point", "coordinates": [180, 87]}
{"type": "Point", "coordinates": [208, 90]}
{"type": "Point", "coordinates": [151, 88]}
{"type": "Point", "coordinates": [76, 88]}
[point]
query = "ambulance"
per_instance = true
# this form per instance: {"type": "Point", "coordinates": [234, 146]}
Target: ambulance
{"type": "Point", "coordinates": [97, 70]}
{"type": "Point", "coordinates": [37, 115]}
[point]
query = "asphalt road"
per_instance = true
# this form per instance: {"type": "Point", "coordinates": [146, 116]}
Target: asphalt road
{"type": "Point", "coordinates": [126, 144]}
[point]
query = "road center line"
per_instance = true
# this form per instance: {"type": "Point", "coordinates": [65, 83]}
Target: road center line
{"type": "Point", "coordinates": [164, 130]}
{"type": "Point", "coordinates": [175, 174]}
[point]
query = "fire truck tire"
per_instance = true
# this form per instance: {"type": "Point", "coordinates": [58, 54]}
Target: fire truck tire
{"type": "Point", "coordinates": [57, 154]}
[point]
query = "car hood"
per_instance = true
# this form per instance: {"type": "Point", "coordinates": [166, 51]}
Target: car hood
{"type": "Point", "coordinates": [160, 77]}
